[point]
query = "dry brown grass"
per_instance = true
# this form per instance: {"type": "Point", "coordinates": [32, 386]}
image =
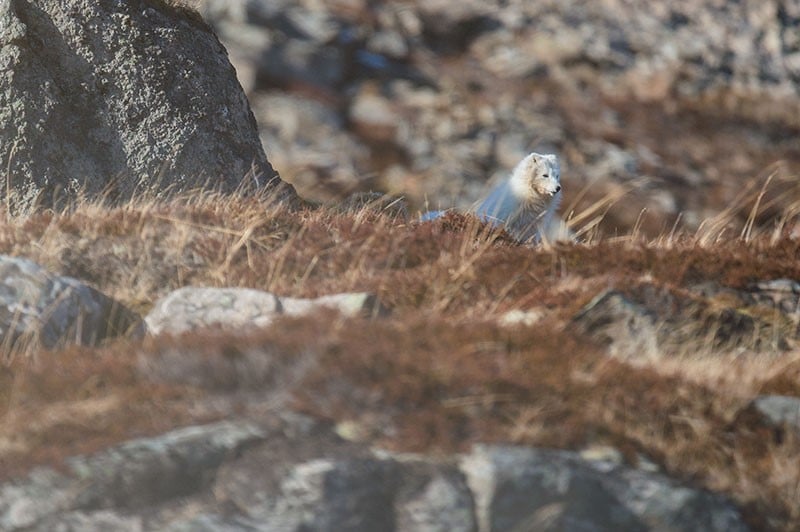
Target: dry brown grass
{"type": "Point", "coordinates": [436, 376]}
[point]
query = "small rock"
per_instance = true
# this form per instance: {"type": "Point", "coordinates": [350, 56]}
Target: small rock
{"type": "Point", "coordinates": [602, 453]}
{"type": "Point", "coordinates": [347, 304]}
{"type": "Point", "coordinates": [352, 430]}
{"type": "Point", "coordinates": [316, 25]}
{"type": "Point", "coordinates": [778, 410]}
{"type": "Point", "coordinates": [526, 318]}
{"type": "Point", "coordinates": [389, 43]}
{"type": "Point", "coordinates": [192, 308]}
{"type": "Point", "coordinates": [373, 115]}
{"type": "Point", "coordinates": [39, 308]}
{"type": "Point", "coordinates": [627, 328]}
{"type": "Point", "coordinates": [783, 294]}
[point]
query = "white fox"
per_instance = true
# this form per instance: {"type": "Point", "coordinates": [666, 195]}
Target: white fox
{"type": "Point", "coordinates": [526, 202]}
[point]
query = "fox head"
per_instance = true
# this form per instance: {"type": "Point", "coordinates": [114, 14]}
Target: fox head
{"type": "Point", "coordinates": [536, 177]}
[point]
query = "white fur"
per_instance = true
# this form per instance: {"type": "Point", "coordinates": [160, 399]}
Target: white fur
{"type": "Point", "coordinates": [526, 202]}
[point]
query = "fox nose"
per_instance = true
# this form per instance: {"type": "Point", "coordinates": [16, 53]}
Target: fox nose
{"type": "Point", "coordinates": [558, 188]}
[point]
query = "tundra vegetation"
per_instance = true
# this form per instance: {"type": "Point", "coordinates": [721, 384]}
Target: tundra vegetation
{"type": "Point", "coordinates": [443, 370]}
{"type": "Point", "coordinates": [651, 335]}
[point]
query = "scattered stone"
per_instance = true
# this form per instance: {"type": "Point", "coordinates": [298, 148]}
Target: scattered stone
{"type": "Point", "coordinates": [782, 294]}
{"type": "Point", "coordinates": [778, 410]}
{"type": "Point", "coordinates": [373, 116]}
{"type": "Point", "coordinates": [525, 318]}
{"type": "Point", "coordinates": [124, 97]}
{"type": "Point", "coordinates": [390, 43]}
{"type": "Point", "coordinates": [625, 327]}
{"type": "Point", "coordinates": [602, 453]}
{"type": "Point", "coordinates": [192, 308]}
{"type": "Point", "coordinates": [518, 488]}
{"type": "Point", "coordinates": [352, 430]}
{"type": "Point", "coordinates": [351, 304]}
{"type": "Point", "coordinates": [39, 308]}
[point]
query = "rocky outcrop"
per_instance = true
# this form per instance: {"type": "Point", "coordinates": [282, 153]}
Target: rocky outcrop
{"type": "Point", "coordinates": [39, 308]}
{"type": "Point", "coordinates": [117, 98]}
{"type": "Point", "coordinates": [298, 477]}
{"type": "Point", "coordinates": [646, 321]}
{"type": "Point", "coordinates": [192, 308]}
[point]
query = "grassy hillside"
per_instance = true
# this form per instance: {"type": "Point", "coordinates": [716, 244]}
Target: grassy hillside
{"type": "Point", "coordinates": [440, 372]}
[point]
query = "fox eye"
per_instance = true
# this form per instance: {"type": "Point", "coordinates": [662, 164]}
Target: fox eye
{"type": "Point", "coordinates": [546, 175]}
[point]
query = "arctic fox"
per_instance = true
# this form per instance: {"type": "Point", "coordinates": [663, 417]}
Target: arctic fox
{"type": "Point", "coordinates": [525, 203]}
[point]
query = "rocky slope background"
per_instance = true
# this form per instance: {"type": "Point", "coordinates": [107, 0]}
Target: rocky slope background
{"type": "Point", "coordinates": [673, 109]}
{"type": "Point", "coordinates": [199, 360]}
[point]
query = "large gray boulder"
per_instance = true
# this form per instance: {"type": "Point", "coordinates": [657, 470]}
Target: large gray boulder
{"type": "Point", "coordinates": [118, 97]}
{"type": "Point", "coordinates": [294, 476]}
{"type": "Point", "coordinates": [40, 308]}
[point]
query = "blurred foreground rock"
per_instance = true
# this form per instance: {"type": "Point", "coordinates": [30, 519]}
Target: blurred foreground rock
{"type": "Point", "coordinates": [296, 476]}
{"type": "Point", "coordinates": [531, 489]}
{"type": "Point", "coordinates": [118, 98]}
{"type": "Point", "coordinates": [132, 476]}
{"type": "Point", "coordinates": [39, 308]}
